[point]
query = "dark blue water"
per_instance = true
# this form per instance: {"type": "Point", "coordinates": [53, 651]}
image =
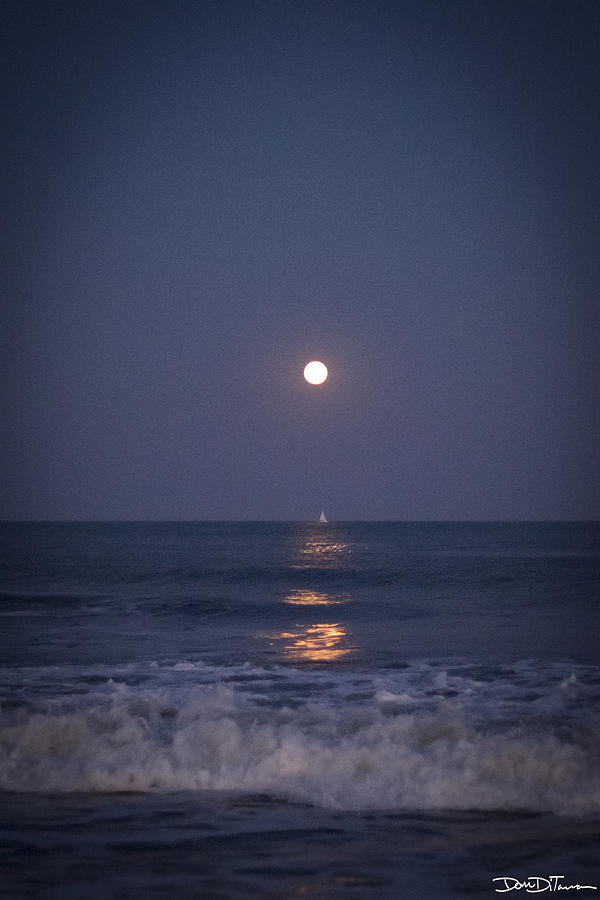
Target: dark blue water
{"type": "Point", "coordinates": [283, 709]}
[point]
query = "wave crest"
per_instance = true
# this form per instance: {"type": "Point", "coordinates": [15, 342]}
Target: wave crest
{"type": "Point", "coordinates": [373, 756]}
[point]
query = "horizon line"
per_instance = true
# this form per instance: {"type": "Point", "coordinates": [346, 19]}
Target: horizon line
{"type": "Point", "coordinates": [139, 521]}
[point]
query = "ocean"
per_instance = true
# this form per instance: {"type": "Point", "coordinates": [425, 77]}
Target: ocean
{"type": "Point", "coordinates": [284, 709]}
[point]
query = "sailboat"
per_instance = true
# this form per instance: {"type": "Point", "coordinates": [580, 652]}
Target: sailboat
{"type": "Point", "coordinates": [322, 517]}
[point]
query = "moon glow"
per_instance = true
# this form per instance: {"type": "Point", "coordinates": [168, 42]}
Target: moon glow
{"type": "Point", "coordinates": [315, 372]}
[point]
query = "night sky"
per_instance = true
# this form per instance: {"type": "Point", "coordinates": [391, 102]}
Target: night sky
{"type": "Point", "coordinates": [201, 197]}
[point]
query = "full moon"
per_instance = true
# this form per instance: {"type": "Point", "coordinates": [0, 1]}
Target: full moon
{"type": "Point", "coordinates": [315, 372]}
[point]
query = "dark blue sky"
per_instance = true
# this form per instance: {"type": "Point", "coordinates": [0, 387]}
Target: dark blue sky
{"type": "Point", "coordinates": [201, 197]}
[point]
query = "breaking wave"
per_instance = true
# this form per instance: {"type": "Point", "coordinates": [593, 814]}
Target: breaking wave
{"type": "Point", "coordinates": [372, 752]}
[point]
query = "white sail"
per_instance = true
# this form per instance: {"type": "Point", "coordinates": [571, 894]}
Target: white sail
{"type": "Point", "coordinates": [322, 517]}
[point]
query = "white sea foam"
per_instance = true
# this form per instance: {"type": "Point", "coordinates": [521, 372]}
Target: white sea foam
{"type": "Point", "coordinates": [368, 754]}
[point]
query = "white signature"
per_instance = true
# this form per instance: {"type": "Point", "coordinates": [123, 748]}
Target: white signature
{"type": "Point", "coordinates": [535, 884]}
